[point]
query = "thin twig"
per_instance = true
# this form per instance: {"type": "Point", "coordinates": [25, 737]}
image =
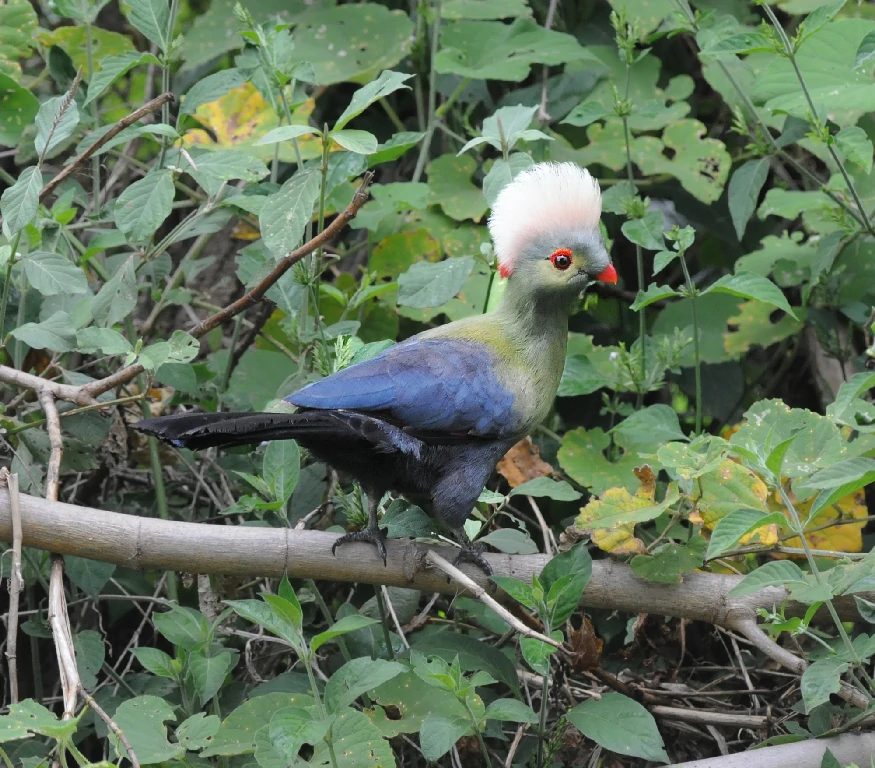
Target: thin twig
{"type": "Point", "coordinates": [63, 637]}
{"type": "Point", "coordinates": [16, 584]}
{"type": "Point", "coordinates": [518, 737]}
{"type": "Point", "coordinates": [112, 725]}
{"type": "Point", "coordinates": [111, 133]}
{"type": "Point", "coordinates": [391, 609]}
{"type": "Point", "coordinates": [550, 546]}
{"type": "Point", "coordinates": [480, 593]}
{"type": "Point", "coordinates": [56, 444]}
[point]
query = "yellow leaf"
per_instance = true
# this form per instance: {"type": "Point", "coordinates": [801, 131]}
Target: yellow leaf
{"type": "Point", "coordinates": [244, 231]}
{"type": "Point", "coordinates": [842, 536]}
{"type": "Point", "coordinates": [617, 507]}
{"type": "Point", "coordinates": [619, 541]}
{"type": "Point", "coordinates": [727, 488]}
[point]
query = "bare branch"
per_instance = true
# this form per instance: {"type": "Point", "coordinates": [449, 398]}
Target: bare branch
{"type": "Point", "coordinates": [56, 444]}
{"type": "Point", "coordinates": [16, 583]}
{"type": "Point", "coordinates": [63, 637]}
{"type": "Point", "coordinates": [68, 392]}
{"type": "Point", "coordinates": [112, 725]}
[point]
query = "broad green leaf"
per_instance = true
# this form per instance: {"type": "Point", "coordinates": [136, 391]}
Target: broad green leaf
{"type": "Point", "coordinates": [18, 108]}
{"type": "Point", "coordinates": [818, 19]}
{"type": "Point", "coordinates": [653, 294]}
{"type": "Point", "coordinates": [655, 422]}
{"type": "Point", "coordinates": [30, 716]}
{"type": "Point", "coordinates": [209, 672]}
{"type": "Point", "coordinates": [281, 468]}
{"type": "Point", "coordinates": [211, 88]}
{"type": "Point", "coordinates": [439, 733]}
{"type": "Point", "coordinates": [198, 731]}
{"type": "Point", "coordinates": [55, 123]}
{"type": "Point", "coordinates": [55, 333]}
{"type": "Point", "coordinates": [537, 653]}
{"type": "Point", "coordinates": [226, 165]}
{"type": "Point", "coordinates": [856, 146]}
{"type": "Point", "coordinates": [357, 677]}
{"type": "Point", "coordinates": [151, 17]}
{"type": "Point", "coordinates": [360, 142]}
{"type": "Point", "coordinates": [18, 21]}
{"type": "Point", "coordinates": [184, 627]}
{"type": "Point", "coordinates": [511, 541]}
{"type": "Point", "coordinates": [143, 206]}
{"type": "Point", "coordinates": [730, 530]}
{"type": "Point", "coordinates": [585, 113]}
{"type": "Point", "coordinates": [286, 213]}
{"type": "Point", "coordinates": [744, 191]}
{"type": "Point", "coordinates": [518, 590]}
{"type": "Point", "coordinates": [484, 9]}
{"type": "Point", "coordinates": [560, 490]}
{"type": "Point", "coordinates": [90, 576]}
{"type": "Point", "coordinates": [670, 563]}
{"type": "Point", "coordinates": [511, 711]}
{"type": "Point", "coordinates": [747, 285]}
{"type": "Point", "coordinates": [73, 40]}
{"type": "Point", "coordinates": [358, 743]}
{"type": "Point", "coordinates": [473, 655]}
{"type": "Point", "coordinates": [820, 680]}
{"type": "Point", "coordinates": [620, 725]}
{"type": "Point", "coordinates": [395, 147]}
{"type": "Point", "coordinates": [740, 44]}
{"type": "Point", "coordinates": [282, 623]}
{"type": "Point", "coordinates": [857, 470]}
{"type": "Point", "coordinates": [450, 187]}
{"type": "Point", "coordinates": [20, 202]}
{"type": "Point", "coordinates": [646, 232]}
{"type": "Point", "coordinates": [777, 573]}
{"type": "Point", "coordinates": [849, 408]}
{"type": "Point", "coordinates": [431, 285]}
{"type": "Point", "coordinates": [51, 273]}
{"type": "Point", "coordinates": [388, 82]}
{"type": "Point", "coordinates": [292, 727]}
{"type": "Point", "coordinates": [344, 626]}
{"type": "Point", "coordinates": [118, 296]}
{"type": "Point", "coordinates": [492, 50]}
{"type": "Point", "coordinates": [156, 661]}
{"type": "Point", "coordinates": [142, 722]}
{"type": "Point", "coordinates": [90, 655]}
{"type": "Point", "coordinates": [866, 50]}
{"type": "Point", "coordinates": [112, 68]}
{"type": "Point", "coordinates": [502, 173]}
{"type": "Point", "coordinates": [286, 133]}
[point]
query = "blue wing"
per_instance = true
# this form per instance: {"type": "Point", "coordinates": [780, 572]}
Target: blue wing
{"type": "Point", "coordinates": [430, 386]}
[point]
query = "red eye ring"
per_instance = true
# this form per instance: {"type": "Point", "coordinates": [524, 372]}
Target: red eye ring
{"type": "Point", "coordinates": [562, 258]}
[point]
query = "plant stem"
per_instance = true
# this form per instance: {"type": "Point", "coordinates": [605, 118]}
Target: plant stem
{"type": "Point", "coordinates": [165, 77]}
{"type": "Point", "coordinates": [384, 620]}
{"type": "Point", "coordinates": [95, 116]}
{"type": "Point", "coordinates": [479, 735]}
{"type": "Point", "coordinates": [432, 94]}
{"type": "Point", "coordinates": [694, 293]}
{"type": "Point", "coordinates": [7, 282]}
{"type": "Point", "coordinates": [444, 108]}
{"type": "Point", "coordinates": [321, 709]}
{"type": "Point", "coordinates": [542, 715]}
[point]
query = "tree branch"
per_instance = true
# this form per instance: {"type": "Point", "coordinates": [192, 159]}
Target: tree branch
{"type": "Point", "coordinates": [16, 583]}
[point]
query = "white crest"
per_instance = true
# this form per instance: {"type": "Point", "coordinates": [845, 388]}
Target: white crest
{"type": "Point", "coordinates": [546, 198]}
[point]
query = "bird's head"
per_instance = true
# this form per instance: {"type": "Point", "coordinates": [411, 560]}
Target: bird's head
{"type": "Point", "coordinates": [545, 227]}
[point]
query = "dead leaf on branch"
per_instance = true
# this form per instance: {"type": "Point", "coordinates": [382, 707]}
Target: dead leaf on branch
{"type": "Point", "coordinates": [522, 463]}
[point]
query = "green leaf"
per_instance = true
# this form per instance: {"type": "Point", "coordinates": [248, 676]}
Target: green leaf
{"type": "Point", "coordinates": [653, 423]}
{"type": "Point", "coordinates": [559, 490]}
{"type": "Point", "coordinates": [112, 68]}
{"type": "Point", "coordinates": [735, 526]}
{"type": "Point", "coordinates": [585, 113]}
{"type": "Point", "coordinates": [428, 284]}
{"type": "Point", "coordinates": [90, 576]}
{"type": "Point", "coordinates": [226, 165]}
{"type": "Point", "coordinates": [344, 626]}
{"type": "Point", "coordinates": [282, 623]}
{"type": "Point", "coordinates": [209, 672]}
{"type": "Point", "coordinates": [450, 187]}
{"type": "Point", "coordinates": [484, 9]}
{"type": "Point", "coordinates": [829, 760]}
{"type": "Point", "coordinates": [653, 294]}
{"type": "Point", "coordinates": [744, 191]}
{"type": "Point", "coordinates": [388, 82]}
{"type": "Point", "coordinates": [646, 232]}
{"type": "Point", "coordinates": [18, 22]}
{"type": "Point", "coordinates": [151, 17]}
{"type": "Point", "coordinates": [143, 206]}
{"type": "Point", "coordinates": [55, 333]}
{"type": "Point", "coordinates": [142, 722]}
{"type": "Point", "coordinates": [777, 573]}
{"type": "Point", "coordinates": [20, 202]}
{"type": "Point", "coordinates": [286, 133]}
{"type": "Point", "coordinates": [750, 286]}
{"type": "Point", "coordinates": [510, 711]}
{"type": "Point", "coordinates": [286, 213]}
{"type": "Point", "coordinates": [821, 679]}
{"type": "Point", "coordinates": [292, 727]}
{"type": "Point", "coordinates": [537, 653]}
{"type": "Point", "coordinates": [156, 661]}
{"type": "Point", "coordinates": [358, 744]}
{"type": "Point", "coordinates": [492, 50]}
{"type": "Point", "coordinates": [510, 541]}
{"type": "Point", "coordinates": [18, 108]}
{"type": "Point", "coordinates": [857, 470]}
{"type": "Point", "coordinates": [118, 296]}
{"type": "Point", "coordinates": [518, 590]}
{"type": "Point", "coordinates": [866, 50]}
{"type": "Point", "coordinates": [51, 274]}
{"type": "Point", "coordinates": [439, 733]}
{"type": "Point", "coordinates": [211, 88]}
{"type": "Point", "coordinates": [360, 142]}
{"type": "Point", "coordinates": [90, 654]}
{"type": "Point", "coordinates": [184, 627]}
{"type": "Point", "coordinates": [281, 468]}
{"type": "Point", "coordinates": [621, 725]}
{"type": "Point", "coordinates": [818, 19]}
{"type": "Point", "coordinates": [856, 146]}
{"type": "Point", "coordinates": [54, 126]}
{"type": "Point", "coordinates": [357, 677]}
{"type": "Point", "coordinates": [502, 173]}
{"type": "Point", "coordinates": [671, 562]}
{"type": "Point", "coordinates": [740, 43]}
{"type": "Point", "coordinates": [35, 718]}
{"type": "Point", "coordinates": [197, 731]}
{"type": "Point", "coordinates": [395, 148]}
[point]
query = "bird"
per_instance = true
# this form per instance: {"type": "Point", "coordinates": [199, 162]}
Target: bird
{"type": "Point", "coordinates": [431, 416]}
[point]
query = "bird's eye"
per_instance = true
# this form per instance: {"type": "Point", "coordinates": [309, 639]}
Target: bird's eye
{"type": "Point", "coordinates": [561, 259]}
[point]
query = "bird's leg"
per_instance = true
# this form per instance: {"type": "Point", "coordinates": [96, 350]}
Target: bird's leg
{"type": "Point", "coordinates": [472, 553]}
{"type": "Point", "coordinates": [373, 533]}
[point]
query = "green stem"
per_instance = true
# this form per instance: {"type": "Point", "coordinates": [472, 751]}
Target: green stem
{"type": "Point", "coordinates": [432, 94]}
{"type": "Point", "coordinates": [480, 741]}
{"type": "Point", "coordinates": [18, 348]}
{"type": "Point", "coordinates": [95, 116]}
{"type": "Point", "coordinates": [384, 620]}
{"type": "Point", "coordinates": [694, 293]}
{"type": "Point", "coordinates": [320, 709]}
{"type": "Point", "coordinates": [5, 758]}
{"type": "Point", "coordinates": [392, 115]}
{"type": "Point", "coordinates": [235, 335]}
{"type": "Point", "coordinates": [165, 76]}
{"type": "Point", "coordinates": [444, 108]}
{"type": "Point", "coordinates": [7, 282]}
{"type": "Point", "coordinates": [542, 718]}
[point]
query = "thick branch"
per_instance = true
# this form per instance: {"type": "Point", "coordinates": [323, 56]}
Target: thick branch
{"type": "Point", "coordinates": [68, 392]}
{"type": "Point", "coordinates": [150, 543]}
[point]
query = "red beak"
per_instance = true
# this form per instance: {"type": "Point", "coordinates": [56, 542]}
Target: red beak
{"type": "Point", "coordinates": [608, 276]}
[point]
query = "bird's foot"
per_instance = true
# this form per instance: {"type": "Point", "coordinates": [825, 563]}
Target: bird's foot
{"type": "Point", "coordinates": [375, 535]}
{"type": "Point", "coordinates": [473, 553]}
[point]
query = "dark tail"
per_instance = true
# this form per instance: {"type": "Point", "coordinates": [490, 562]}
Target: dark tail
{"type": "Point", "coordinates": [205, 430]}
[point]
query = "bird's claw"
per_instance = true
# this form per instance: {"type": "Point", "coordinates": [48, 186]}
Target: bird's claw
{"type": "Point", "coordinates": [473, 553]}
{"type": "Point", "coordinates": [375, 535]}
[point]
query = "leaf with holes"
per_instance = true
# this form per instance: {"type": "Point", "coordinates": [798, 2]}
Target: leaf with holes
{"type": "Point", "coordinates": [142, 721]}
{"type": "Point", "coordinates": [18, 107]}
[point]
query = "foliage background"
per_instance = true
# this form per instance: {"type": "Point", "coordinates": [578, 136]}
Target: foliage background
{"type": "Point", "coordinates": [736, 166]}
